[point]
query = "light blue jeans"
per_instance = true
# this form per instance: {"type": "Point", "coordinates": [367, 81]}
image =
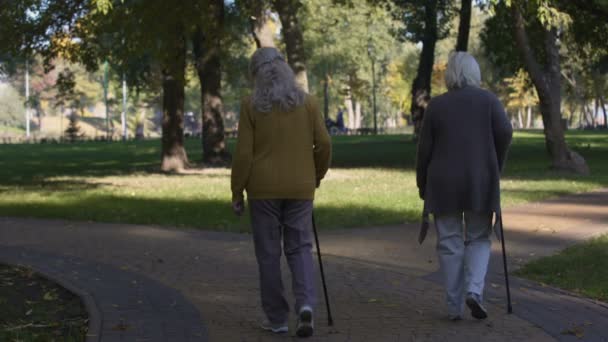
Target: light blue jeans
{"type": "Point", "coordinates": [464, 263]}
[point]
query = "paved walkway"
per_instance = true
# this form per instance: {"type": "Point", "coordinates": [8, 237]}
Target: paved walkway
{"type": "Point", "coordinates": [156, 284]}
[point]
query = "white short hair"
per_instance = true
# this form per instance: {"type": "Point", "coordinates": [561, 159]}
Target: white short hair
{"type": "Point", "coordinates": [462, 71]}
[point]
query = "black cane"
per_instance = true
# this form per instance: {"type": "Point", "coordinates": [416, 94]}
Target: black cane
{"type": "Point", "coordinates": [504, 260]}
{"type": "Point", "coordinates": [330, 320]}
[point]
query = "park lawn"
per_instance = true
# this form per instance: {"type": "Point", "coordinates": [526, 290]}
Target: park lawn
{"type": "Point", "coordinates": [582, 269]}
{"type": "Point", "coordinates": [10, 130]}
{"type": "Point", "coordinates": [35, 309]}
{"type": "Point", "coordinates": [372, 182]}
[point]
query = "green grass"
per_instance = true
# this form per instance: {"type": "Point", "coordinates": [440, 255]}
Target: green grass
{"type": "Point", "coordinates": [11, 130]}
{"type": "Point", "coordinates": [582, 268]}
{"type": "Point", "coordinates": [372, 182]}
{"type": "Point", "coordinates": [35, 309]}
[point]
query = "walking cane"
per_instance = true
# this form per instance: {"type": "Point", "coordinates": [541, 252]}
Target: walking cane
{"type": "Point", "coordinates": [330, 320]}
{"type": "Point", "coordinates": [504, 261]}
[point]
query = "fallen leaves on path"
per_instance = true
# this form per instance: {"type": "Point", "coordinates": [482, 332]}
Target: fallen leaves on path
{"type": "Point", "coordinates": [575, 330]}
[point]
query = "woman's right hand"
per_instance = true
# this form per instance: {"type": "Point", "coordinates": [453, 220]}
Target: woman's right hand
{"type": "Point", "coordinates": [238, 207]}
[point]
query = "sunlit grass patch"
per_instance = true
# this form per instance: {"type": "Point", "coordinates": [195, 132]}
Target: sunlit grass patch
{"type": "Point", "coordinates": [371, 182]}
{"type": "Point", "coordinates": [582, 268]}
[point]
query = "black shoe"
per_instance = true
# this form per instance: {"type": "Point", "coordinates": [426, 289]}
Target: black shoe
{"type": "Point", "coordinates": [305, 325]}
{"type": "Point", "coordinates": [474, 303]}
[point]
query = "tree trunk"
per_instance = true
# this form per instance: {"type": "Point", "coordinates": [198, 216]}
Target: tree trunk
{"type": "Point", "coordinates": [548, 87]}
{"type": "Point", "coordinates": [39, 114]}
{"type": "Point", "coordinates": [529, 123]}
{"type": "Point", "coordinates": [603, 105]}
{"type": "Point", "coordinates": [580, 118]}
{"type": "Point", "coordinates": [326, 97]}
{"type": "Point", "coordinates": [206, 48]}
{"type": "Point", "coordinates": [348, 103]}
{"type": "Point", "coordinates": [357, 114]}
{"type": "Point", "coordinates": [464, 26]}
{"type": "Point", "coordinates": [421, 87]}
{"type": "Point", "coordinates": [520, 120]}
{"type": "Point", "coordinates": [174, 158]}
{"type": "Point", "coordinates": [571, 109]}
{"type": "Point", "coordinates": [600, 97]}
{"type": "Point", "coordinates": [585, 112]}
{"type": "Point", "coordinates": [597, 110]}
{"type": "Point", "coordinates": [294, 41]}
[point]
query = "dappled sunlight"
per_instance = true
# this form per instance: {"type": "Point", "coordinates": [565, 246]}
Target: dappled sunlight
{"type": "Point", "coordinates": [372, 182]}
{"type": "Point", "coordinates": [518, 191]}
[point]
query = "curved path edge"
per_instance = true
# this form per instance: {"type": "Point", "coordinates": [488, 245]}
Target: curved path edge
{"type": "Point", "coordinates": [122, 306]}
{"type": "Point", "coordinates": [94, 314]}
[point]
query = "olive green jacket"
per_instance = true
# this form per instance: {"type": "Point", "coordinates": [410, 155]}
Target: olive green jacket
{"type": "Point", "coordinates": [280, 155]}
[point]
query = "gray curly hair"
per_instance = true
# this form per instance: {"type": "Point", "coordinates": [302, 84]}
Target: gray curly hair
{"type": "Point", "coordinates": [274, 83]}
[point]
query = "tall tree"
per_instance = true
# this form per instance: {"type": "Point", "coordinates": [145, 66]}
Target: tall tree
{"type": "Point", "coordinates": [206, 48]}
{"type": "Point", "coordinates": [421, 87]}
{"type": "Point", "coordinates": [547, 80]}
{"type": "Point", "coordinates": [288, 11]}
{"type": "Point", "coordinates": [425, 22]}
{"type": "Point", "coordinates": [464, 25]}
{"type": "Point", "coordinates": [173, 155]}
{"type": "Point", "coordinates": [545, 43]}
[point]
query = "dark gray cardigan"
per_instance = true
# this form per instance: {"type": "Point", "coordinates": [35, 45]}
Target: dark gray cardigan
{"type": "Point", "coordinates": [461, 152]}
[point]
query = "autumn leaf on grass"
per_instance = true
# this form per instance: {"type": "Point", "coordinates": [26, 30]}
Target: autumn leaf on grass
{"type": "Point", "coordinates": [50, 295]}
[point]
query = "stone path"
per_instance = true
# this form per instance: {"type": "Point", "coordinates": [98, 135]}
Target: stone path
{"type": "Point", "coordinates": [158, 284]}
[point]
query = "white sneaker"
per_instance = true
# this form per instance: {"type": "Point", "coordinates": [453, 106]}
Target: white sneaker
{"type": "Point", "coordinates": [305, 327]}
{"type": "Point", "coordinates": [275, 328]}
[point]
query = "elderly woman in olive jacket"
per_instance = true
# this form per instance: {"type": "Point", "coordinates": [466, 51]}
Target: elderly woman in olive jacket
{"type": "Point", "coordinates": [283, 152]}
{"type": "Point", "coordinates": [462, 150]}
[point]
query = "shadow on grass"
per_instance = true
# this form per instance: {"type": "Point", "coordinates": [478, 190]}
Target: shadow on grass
{"type": "Point", "coordinates": [527, 157]}
{"type": "Point", "coordinates": [32, 169]}
{"type": "Point", "coordinates": [208, 214]}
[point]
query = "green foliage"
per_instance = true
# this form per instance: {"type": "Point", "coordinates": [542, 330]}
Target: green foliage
{"type": "Point", "coordinates": [522, 92]}
{"type": "Point", "coordinates": [412, 14]}
{"type": "Point", "coordinates": [499, 45]}
{"type": "Point", "coordinates": [398, 83]}
{"type": "Point", "coordinates": [73, 133]}
{"type": "Point", "coordinates": [12, 110]}
{"type": "Point", "coordinates": [343, 41]}
{"type": "Point", "coordinates": [581, 56]}
{"type": "Point", "coordinates": [104, 6]}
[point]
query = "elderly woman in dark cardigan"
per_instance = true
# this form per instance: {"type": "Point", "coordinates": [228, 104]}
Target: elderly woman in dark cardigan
{"type": "Point", "coordinates": [461, 153]}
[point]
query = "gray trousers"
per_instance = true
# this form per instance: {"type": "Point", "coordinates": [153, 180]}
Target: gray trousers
{"type": "Point", "coordinates": [464, 263]}
{"type": "Point", "coordinates": [290, 222]}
